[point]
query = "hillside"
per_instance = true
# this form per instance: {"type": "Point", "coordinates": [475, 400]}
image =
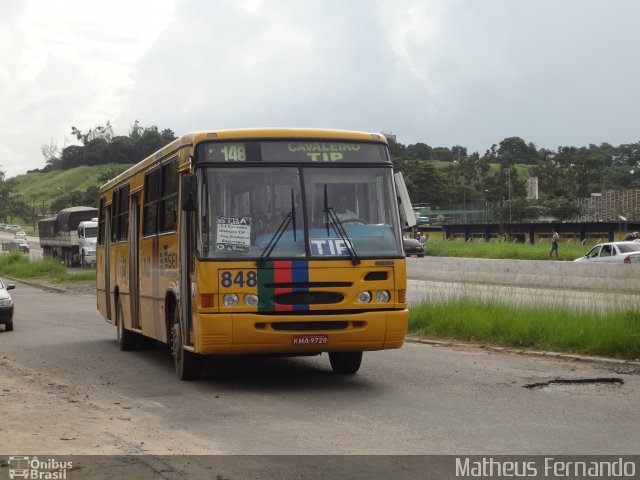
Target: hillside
{"type": "Point", "coordinates": [524, 171]}
{"type": "Point", "coordinates": [43, 188]}
{"type": "Point", "coordinates": [38, 188]}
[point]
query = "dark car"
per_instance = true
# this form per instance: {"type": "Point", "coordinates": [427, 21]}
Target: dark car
{"type": "Point", "coordinates": [412, 247]}
{"type": "Point", "coordinates": [6, 306]}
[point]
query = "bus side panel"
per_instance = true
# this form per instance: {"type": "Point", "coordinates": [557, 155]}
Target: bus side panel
{"type": "Point", "coordinates": [149, 304]}
{"type": "Point", "coordinates": [158, 277]}
{"type": "Point", "coordinates": [168, 277]}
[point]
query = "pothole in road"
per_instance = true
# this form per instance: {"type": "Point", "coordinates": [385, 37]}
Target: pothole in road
{"type": "Point", "coordinates": [577, 384]}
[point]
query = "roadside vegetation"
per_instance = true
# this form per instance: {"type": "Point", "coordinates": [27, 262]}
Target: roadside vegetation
{"type": "Point", "coordinates": [614, 334]}
{"type": "Point", "coordinates": [502, 250]}
{"type": "Point", "coordinates": [47, 271]}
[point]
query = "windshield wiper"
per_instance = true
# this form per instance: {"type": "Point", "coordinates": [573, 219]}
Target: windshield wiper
{"type": "Point", "coordinates": [289, 219]}
{"type": "Point", "coordinates": [330, 218]}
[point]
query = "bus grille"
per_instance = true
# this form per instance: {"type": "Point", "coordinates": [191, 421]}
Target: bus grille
{"type": "Point", "coordinates": [308, 298]}
{"type": "Point", "coordinates": [309, 326]}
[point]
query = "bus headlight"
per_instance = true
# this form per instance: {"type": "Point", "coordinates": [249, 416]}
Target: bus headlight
{"type": "Point", "coordinates": [382, 296]}
{"type": "Point", "coordinates": [250, 300]}
{"type": "Point", "coordinates": [364, 297]}
{"type": "Point", "coordinates": [230, 300]}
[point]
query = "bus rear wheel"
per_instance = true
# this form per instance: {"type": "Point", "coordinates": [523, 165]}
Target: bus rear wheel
{"type": "Point", "coordinates": [345, 362]}
{"type": "Point", "coordinates": [187, 364]}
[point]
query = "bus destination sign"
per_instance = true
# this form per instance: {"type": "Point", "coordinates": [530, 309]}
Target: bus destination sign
{"type": "Point", "coordinates": [299, 151]}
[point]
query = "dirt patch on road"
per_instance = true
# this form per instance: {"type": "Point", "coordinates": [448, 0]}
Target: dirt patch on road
{"type": "Point", "coordinates": [42, 413]}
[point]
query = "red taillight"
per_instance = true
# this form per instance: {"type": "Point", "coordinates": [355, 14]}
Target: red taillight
{"type": "Point", "coordinates": [206, 300]}
{"type": "Point", "coordinates": [627, 259]}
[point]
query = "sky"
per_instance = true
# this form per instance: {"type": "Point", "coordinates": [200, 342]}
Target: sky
{"type": "Point", "coordinates": [440, 72]}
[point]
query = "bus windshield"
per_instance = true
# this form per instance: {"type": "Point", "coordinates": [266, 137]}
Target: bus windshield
{"type": "Point", "coordinates": [297, 212]}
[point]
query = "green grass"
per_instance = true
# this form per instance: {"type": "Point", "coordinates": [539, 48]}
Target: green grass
{"type": "Point", "coordinates": [503, 250]}
{"type": "Point", "coordinates": [38, 187]}
{"type": "Point", "coordinates": [614, 334]}
{"type": "Point", "coordinates": [17, 265]}
{"type": "Point", "coordinates": [523, 170]}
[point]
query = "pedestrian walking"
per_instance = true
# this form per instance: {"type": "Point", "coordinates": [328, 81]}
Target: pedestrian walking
{"type": "Point", "coordinates": [555, 239]}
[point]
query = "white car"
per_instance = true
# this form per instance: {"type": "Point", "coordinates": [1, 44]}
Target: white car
{"type": "Point", "coordinates": [613, 252]}
{"type": "Point", "coordinates": [21, 234]}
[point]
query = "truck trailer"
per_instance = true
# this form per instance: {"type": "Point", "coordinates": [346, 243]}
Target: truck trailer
{"type": "Point", "coordinates": [70, 236]}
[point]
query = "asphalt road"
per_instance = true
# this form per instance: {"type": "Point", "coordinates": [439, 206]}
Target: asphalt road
{"type": "Point", "coordinates": [67, 389]}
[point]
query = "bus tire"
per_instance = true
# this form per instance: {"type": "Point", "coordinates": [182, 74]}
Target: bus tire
{"type": "Point", "coordinates": [126, 338]}
{"type": "Point", "coordinates": [345, 362]}
{"type": "Point", "coordinates": [187, 364]}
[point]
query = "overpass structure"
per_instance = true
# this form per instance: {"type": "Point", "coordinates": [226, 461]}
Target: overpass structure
{"type": "Point", "coordinates": [534, 231]}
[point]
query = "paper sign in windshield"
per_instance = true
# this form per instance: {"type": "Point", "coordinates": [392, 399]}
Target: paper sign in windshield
{"type": "Point", "coordinates": [329, 246]}
{"type": "Point", "coordinates": [233, 234]}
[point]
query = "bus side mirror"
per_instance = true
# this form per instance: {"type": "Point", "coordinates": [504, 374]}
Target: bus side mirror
{"type": "Point", "coordinates": [189, 193]}
{"type": "Point", "coordinates": [407, 216]}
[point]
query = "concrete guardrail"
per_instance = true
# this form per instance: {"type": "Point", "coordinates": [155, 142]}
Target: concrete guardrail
{"type": "Point", "coordinates": [618, 278]}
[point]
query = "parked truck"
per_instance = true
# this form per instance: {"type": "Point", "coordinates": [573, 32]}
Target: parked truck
{"type": "Point", "coordinates": [70, 236]}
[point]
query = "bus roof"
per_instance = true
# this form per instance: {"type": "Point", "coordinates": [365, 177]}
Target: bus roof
{"type": "Point", "coordinates": [193, 138]}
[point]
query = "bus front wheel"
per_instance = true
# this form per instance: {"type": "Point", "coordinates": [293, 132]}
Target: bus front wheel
{"type": "Point", "coordinates": [186, 363]}
{"type": "Point", "coordinates": [345, 362]}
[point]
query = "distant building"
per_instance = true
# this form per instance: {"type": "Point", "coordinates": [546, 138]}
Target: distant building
{"type": "Point", "coordinates": [532, 188]}
{"type": "Point", "coordinates": [610, 206]}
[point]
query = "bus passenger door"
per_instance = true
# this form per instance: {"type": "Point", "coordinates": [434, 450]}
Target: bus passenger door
{"type": "Point", "coordinates": [186, 259]}
{"type": "Point", "coordinates": [134, 280]}
{"type": "Point", "coordinates": [107, 263]}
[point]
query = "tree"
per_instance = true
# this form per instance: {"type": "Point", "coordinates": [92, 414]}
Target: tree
{"type": "Point", "coordinates": [458, 153]}
{"type": "Point", "coordinates": [11, 203]}
{"type": "Point", "coordinates": [90, 197]}
{"type": "Point", "coordinates": [100, 146]}
{"type": "Point", "coordinates": [51, 154]}
{"type": "Point", "coordinates": [135, 132]}
{"type": "Point", "coordinates": [99, 131]}
{"type": "Point", "coordinates": [441, 154]}
{"type": "Point", "coordinates": [72, 156]}
{"type": "Point", "coordinates": [514, 150]}
{"type": "Point", "coordinates": [419, 151]}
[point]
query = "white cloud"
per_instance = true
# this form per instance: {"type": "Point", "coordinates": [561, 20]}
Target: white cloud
{"type": "Point", "coordinates": [65, 64]}
{"type": "Point", "coordinates": [445, 73]}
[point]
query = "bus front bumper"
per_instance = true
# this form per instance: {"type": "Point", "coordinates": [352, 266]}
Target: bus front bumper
{"type": "Point", "coordinates": [247, 333]}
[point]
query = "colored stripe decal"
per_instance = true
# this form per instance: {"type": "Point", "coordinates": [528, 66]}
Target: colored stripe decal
{"type": "Point", "coordinates": [265, 276]}
{"type": "Point", "coordinates": [281, 272]}
{"type": "Point", "coordinates": [300, 274]}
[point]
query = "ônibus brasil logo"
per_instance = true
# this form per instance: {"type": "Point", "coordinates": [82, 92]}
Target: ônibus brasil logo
{"type": "Point", "coordinates": [33, 468]}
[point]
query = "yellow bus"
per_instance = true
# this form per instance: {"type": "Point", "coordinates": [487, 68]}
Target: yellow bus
{"type": "Point", "coordinates": [256, 241]}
